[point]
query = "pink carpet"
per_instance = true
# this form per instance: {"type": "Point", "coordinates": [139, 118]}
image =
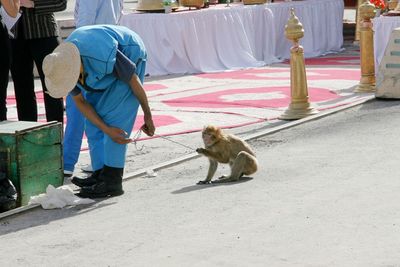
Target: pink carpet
{"type": "Point", "coordinates": [241, 97]}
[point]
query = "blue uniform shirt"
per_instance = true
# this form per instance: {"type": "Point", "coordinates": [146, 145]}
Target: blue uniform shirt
{"type": "Point", "coordinates": [124, 68]}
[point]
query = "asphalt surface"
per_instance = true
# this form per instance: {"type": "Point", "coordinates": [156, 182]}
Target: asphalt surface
{"type": "Point", "coordinates": [326, 194]}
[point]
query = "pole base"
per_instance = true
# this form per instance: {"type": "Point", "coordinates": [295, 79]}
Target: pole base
{"type": "Point", "coordinates": [365, 88]}
{"type": "Point", "coordinates": [297, 113]}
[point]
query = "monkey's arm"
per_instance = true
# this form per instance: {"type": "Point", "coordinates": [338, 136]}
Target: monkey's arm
{"type": "Point", "coordinates": [212, 155]}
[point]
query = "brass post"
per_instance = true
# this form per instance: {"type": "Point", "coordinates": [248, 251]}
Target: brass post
{"type": "Point", "coordinates": [299, 106]}
{"type": "Point", "coordinates": [367, 81]}
{"type": "Point", "coordinates": [358, 21]}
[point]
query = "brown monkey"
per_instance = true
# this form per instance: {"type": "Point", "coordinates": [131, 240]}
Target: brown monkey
{"type": "Point", "coordinates": [226, 148]}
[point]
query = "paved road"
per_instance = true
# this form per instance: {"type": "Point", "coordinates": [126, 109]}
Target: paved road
{"type": "Point", "coordinates": [327, 194]}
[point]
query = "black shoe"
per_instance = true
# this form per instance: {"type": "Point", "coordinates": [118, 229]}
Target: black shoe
{"type": "Point", "coordinates": [101, 190]}
{"type": "Point", "coordinates": [110, 184]}
{"type": "Point", "coordinates": [89, 181]}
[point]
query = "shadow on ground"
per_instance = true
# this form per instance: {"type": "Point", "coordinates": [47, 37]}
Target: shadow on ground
{"type": "Point", "coordinates": [38, 216]}
{"type": "Point", "coordinates": [196, 187]}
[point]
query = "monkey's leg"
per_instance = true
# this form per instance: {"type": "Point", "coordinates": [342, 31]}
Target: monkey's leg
{"type": "Point", "coordinates": [211, 171]}
{"type": "Point", "coordinates": [236, 170]}
{"type": "Point", "coordinates": [243, 164]}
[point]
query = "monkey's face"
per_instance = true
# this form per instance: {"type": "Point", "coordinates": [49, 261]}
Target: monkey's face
{"type": "Point", "coordinates": [208, 139]}
{"type": "Point", "coordinates": [210, 135]}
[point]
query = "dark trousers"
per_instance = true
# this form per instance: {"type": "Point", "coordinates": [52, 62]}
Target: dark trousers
{"type": "Point", "coordinates": [4, 70]}
{"type": "Point", "coordinates": [24, 54]}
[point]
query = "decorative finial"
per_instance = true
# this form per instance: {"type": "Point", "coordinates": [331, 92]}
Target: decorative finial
{"type": "Point", "coordinates": [294, 29]}
{"type": "Point", "coordinates": [367, 10]}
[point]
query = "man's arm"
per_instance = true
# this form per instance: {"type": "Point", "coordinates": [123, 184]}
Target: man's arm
{"type": "Point", "coordinates": [116, 134]}
{"type": "Point", "coordinates": [125, 70]}
{"type": "Point", "coordinates": [137, 89]}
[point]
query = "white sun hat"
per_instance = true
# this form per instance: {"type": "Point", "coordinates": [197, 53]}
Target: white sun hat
{"type": "Point", "coordinates": [61, 69]}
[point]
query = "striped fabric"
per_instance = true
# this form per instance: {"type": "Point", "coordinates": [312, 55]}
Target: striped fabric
{"type": "Point", "coordinates": [40, 22]}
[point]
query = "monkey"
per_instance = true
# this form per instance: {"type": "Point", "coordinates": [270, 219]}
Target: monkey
{"type": "Point", "coordinates": [226, 148]}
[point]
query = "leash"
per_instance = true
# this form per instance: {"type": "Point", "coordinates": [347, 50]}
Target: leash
{"type": "Point", "coordinates": [135, 138]}
{"type": "Point", "coordinates": [139, 132]}
{"type": "Point", "coordinates": [172, 141]}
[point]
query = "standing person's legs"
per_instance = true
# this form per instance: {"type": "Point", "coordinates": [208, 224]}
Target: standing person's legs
{"type": "Point", "coordinates": [40, 49]}
{"type": "Point", "coordinates": [73, 134]}
{"type": "Point", "coordinates": [4, 70]}
{"type": "Point", "coordinates": [22, 75]}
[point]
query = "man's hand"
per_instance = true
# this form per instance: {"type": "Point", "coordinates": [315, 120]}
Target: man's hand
{"type": "Point", "coordinates": [27, 3]}
{"type": "Point", "coordinates": [148, 126]}
{"type": "Point", "coordinates": [118, 135]}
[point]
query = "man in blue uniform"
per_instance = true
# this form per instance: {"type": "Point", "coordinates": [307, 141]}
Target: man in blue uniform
{"type": "Point", "coordinates": [108, 63]}
{"type": "Point", "coordinates": [86, 13]}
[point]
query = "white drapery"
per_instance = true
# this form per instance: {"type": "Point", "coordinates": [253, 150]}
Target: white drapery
{"type": "Point", "coordinates": [241, 36]}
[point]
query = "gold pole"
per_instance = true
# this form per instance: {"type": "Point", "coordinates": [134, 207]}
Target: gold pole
{"type": "Point", "coordinates": [299, 106]}
{"type": "Point", "coordinates": [367, 81]}
{"type": "Point", "coordinates": [358, 21]}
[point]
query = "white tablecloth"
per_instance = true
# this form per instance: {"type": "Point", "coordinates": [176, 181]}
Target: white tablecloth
{"type": "Point", "coordinates": [383, 27]}
{"type": "Point", "coordinates": [241, 36]}
{"type": "Point", "coordinates": [205, 40]}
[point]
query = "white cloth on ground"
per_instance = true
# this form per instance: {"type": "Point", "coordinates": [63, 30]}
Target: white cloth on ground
{"type": "Point", "coordinates": [57, 198]}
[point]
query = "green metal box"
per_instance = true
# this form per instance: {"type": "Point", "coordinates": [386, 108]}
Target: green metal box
{"type": "Point", "coordinates": [31, 156]}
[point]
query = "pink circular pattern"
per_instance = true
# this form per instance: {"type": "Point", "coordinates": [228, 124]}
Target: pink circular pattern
{"type": "Point", "coordinates": [271, 97]}
{"type": "Point", "coordinates": [268, 74]}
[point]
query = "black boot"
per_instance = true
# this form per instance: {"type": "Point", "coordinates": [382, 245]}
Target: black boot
{"type": "Point", "coordinates": [89, 181]}
{"type": "Point", "coordinates": [110, 184]}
